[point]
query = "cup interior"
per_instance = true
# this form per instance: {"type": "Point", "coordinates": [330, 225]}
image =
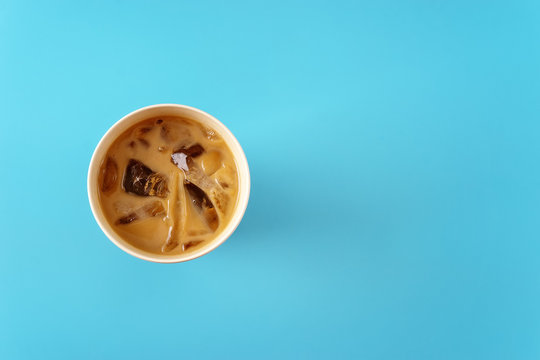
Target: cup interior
{"type": "Point", "coordinates": [168, 110]}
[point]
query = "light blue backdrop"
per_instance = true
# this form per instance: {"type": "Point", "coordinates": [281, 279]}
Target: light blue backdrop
{"type": "Point", "coordinates": [394, 152]}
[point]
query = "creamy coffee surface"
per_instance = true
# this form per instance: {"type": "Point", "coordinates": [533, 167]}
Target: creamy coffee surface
{"type": "Point", "coordinates": [168, 185]}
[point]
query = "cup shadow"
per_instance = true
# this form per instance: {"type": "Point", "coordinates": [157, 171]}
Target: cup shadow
{"type": "Point", "coordinates": [275, 207]}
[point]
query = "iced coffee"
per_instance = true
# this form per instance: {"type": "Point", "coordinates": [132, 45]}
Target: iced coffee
{"type": "Point", "coordinates": [168, 185]}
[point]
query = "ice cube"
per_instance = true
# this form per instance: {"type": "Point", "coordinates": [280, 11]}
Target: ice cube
{"type": "Point", "coordinates": [140, 180]}
{"type": "Point", "coordinates": [108, 175]}
{"type": "Point", "coordinates": [211, 162]}
{"type": "Point", "coordinates": [195, 175]}
{"type": "Point", "coordinates": [176, 205]}
{"type": "Point", "coordinates": [145, 143]}
{"type": "Point", "coordinates": [168, 134]}
{"type": "Point", "coordinates": [198, 197]}
{"type": "Point", "coordinates": [190, 244]}
{"type": "Point", "coordinates": [210, 134]}
{"type": "Point", "coordinates": [127, 219]}
{"type": "Point", "coordinates": [141, 132]}
{"type": "Point", "coordinates": [173, 134]}
{"type": "Point", "coordinates": [182, 157]}
{"type": "Point", "coordinates": [182, 160]}
{"type": "Point", "coordinates": [155, 208]}
{"type": "Point", "coordinates": [203, 205]}
{"type": "Point", "coordinates": [171, 243]}
{"type": "Point", "coordinates": [225, 176]}
{"type": "Point", "coordinates": [193, 150]}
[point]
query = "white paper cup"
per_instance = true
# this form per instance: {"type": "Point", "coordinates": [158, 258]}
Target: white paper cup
{"type": "Point", "coordinates": [168, 110]}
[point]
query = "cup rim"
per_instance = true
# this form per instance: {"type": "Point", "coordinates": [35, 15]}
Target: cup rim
{"type": "Point", "coordinates": [242, 199]}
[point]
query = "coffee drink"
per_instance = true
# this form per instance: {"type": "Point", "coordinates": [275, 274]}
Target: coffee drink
{"type": "Point", "coordinates": [168, 185]}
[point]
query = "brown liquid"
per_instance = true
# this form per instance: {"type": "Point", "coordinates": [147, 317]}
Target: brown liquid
{"type": "Point", "coordinates": [168, 185]}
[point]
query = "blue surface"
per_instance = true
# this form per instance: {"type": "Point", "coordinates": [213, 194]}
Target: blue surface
{"type": "Point", "coordinates": [394, 150]}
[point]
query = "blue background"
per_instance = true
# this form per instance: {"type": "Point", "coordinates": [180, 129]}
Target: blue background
{"type": "Point", "coordinates": [394, 150]}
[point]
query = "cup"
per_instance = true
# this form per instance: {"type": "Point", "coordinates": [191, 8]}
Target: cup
{"type": "Point", "coordinates": [184, 111]}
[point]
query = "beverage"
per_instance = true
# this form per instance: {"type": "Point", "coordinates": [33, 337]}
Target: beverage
{"type": "Point", "coordinates": [168, 185]}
